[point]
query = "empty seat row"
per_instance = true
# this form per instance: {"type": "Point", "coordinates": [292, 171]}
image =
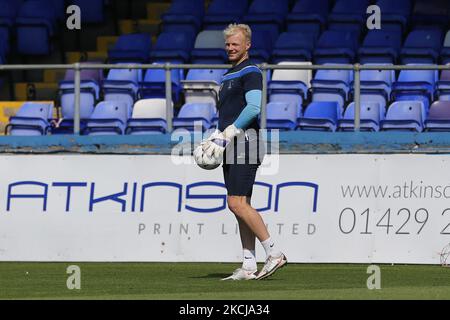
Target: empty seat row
{"type": "Point", "coordinates": [149, 117]}
{"type": "Point", "coordinates": [408, 115]}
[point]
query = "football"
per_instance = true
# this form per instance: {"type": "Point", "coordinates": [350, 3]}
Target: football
{"type": "Point", "coordinates": [205, 162]}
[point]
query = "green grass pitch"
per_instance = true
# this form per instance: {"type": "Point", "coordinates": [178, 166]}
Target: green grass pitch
{"type": "Point", "coordinates": [198, 281]}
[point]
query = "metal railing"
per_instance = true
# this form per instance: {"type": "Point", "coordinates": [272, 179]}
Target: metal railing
{"type": "Point", "coordinates": [356, 68]}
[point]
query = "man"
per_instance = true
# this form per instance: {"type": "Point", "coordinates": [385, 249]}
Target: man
{"type": "Point", "coordinates": [239, 106]}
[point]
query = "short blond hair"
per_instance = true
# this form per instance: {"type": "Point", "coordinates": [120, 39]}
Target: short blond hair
{"type": "Point", "coordinates": [233, 28]}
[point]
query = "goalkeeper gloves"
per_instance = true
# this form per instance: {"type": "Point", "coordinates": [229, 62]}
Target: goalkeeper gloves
{"type": "Point", "coordinates": [216, 146]}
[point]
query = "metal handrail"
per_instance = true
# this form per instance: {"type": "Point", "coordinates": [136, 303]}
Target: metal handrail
{"type": "Point", "coordinates": [357, 68]}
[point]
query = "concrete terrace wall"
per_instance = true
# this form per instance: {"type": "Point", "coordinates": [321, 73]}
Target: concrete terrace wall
{"type": "Point", "coordinates": [290, 143]}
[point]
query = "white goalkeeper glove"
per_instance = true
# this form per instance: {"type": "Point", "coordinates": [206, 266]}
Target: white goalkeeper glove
{"type": "Point", "coordinates": [216, 146]}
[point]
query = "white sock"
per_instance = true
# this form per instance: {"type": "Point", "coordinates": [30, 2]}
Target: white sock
{"type": "Point", "coordinates": [249, 259]}
{"type": "Point", "coordinates": [270, 248]}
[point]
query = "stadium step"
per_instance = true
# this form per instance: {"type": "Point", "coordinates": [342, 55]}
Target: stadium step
{"type": "Point", "coordinates": [99, 56]}
{"type": "Point", "coordinates": [149, 26]}
{"type": "Point", "coordinates": [54, 75]}
{"type": "Point", "coordinates": [155, 10]}
{"type": "Point", "coordinates": [105, 42]}
{"type": "Point", "coordinates": [36, 91]}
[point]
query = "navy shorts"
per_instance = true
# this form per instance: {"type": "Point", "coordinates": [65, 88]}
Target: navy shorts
{"type": "Point", "coordinates": [241, 161]}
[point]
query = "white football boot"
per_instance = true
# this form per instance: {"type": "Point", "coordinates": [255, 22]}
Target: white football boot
{"type": "Point", "coordinates": [242, 274]}
{"type": "Point", "coordinates": [272, 264]}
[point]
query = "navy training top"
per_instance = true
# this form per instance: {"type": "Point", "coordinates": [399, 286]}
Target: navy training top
{"type": "Point", "coordinates": [236, 82]}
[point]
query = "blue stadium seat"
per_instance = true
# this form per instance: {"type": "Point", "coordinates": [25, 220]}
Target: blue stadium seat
{"type": "Point", "coordinates": [438, 117]}
{"type": "Point", "coordinates": [332, 85]}
{"type": "Point", "coordinates": [268, 13]}
{"type": "Point", "coordinates": [222, 12]}
{"type": "Point", "coordinates": [348, 15]}
{"type": "Point", "coordinates": [380, 46]}
{"type": "Point", "coordinates": [184, 16]}
{"type": "Point", "coordinates": [202, 85]}
{"type": "Point", "coordinates": [89, 95]}
{"type": "Point", "coordinates": [308, 17]}
{"type": "Point", "coordinates": [281, 115]}
{"type": "Point", "coordinates": [445, 52]}
{"type": "Point", "coordinates": [415, 85]}
{"type": "Point", "coordinates": [261, 48]}
{"type": "Point", "coordinates": [108, 118]}
{"type": "Point", "coordinates": [209, 48]}
{"type": "Point", "coordinates": [376, 86]}
{"type": "Point", "coordinates": [154, 84]}
{"type": "Point", "coordinates": [149, 117]}
{"type": "Point", "coordinates": [194, 114]}
{"type": "Point", "coordinates": [36, 26]}
{"type": "Point", "coordinates": [215, 120]}
{"type": "Point", "coordinates": [293, 46]}
{"type": "Point", "coordinates": [404, 116]}
{"type": "Point", "coordinates": [32, 119]}
{"type": "Point", "coordinates": [443, 86]}
{"type": "Point", "coordinates": [122, 85]}
{"type": "Point", "coordinates": [370, 116]}
{"type": "Point", "coordinates": [290, 86]}
{"type": "Point", "coordinates": [320, 116]}
{"type": "Point", "coordinates": [336, 47]}
{"type": "Point", "coordinates": [92, 10]}
{"type": "Point", "coordinates": [395, 15]}
{"type": "Point", "coordinates": [129, 48]}
{"type": "Point", "coordinates": [60, 9]}
{"type": "Point", "coordinates": [422, 46]}
{"type": "Point", "coordinates": [174, 47]}
{"type": "Point", "coordinates": [430, 13]}
{"type": "Point", "coordinates": [8, 13]}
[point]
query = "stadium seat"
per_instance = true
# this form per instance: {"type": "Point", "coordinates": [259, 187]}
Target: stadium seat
{"type": "Point", "coordinates": [395, 15]}
{"type": "Point", "coordinates": [404, 116]}
{"type": "Point", "coordinates": [415, 85]}
{"type": "Point", "coordinates": [184, 16]}
{"type": "Point", "coordinates": [336, 46]}
{"type": "Point", "coordinates": [192, 115]}
{"type": "Point", "coordinates": [261, 48]}
{"type": "Point", "coordinates": [209, 48]}
{"type": "Point", "coordinates": [430, 13]}
{"type": "Point", "coordinates": [443, 86]}
{"type": "Point", "coordinates": [8, 14]}
{"type": "Point", "coordinates": [332, 85]}
{"type": "Point", "coordinates": [202, 85]}
{"type": "Point", "coordinates": [32, 119]}
{"type": "Point", "coordinates": [154, 84]}
{"type": "Point", "coordinates": [122, 85]}
{"type": "Point", "coordinates": [290, 86]}
{"type": "Point", "coordinates": [108, 118]}
{"type": "Point", "coordinates": [308, 17]}
{"type": "Point", "coordinates": [215, 120]}
{"type": "Point", "coordinates": [445, 52]}
{"type": "Point", "coordinates": [370, 115]}
{"type": "Point", "coordinates": [281, 115]}
{"type": "Point", "coordinates": [221, 12]}
{"type": "Point", "coordinates": [320, 116]}
{"type": "Point", "coordinates": [36, 27]}
{"type": "Point", "coordinates": [376, 86]}
{"type": "Point", "coordinates": [149, 117]}
{"type": "Point", "coordinates": [174, 47]}
{"type": "Point", "coordinates": [268, 13]}
{"type": "Point", "coordinates": [422, 46]}
{"type": "Point", "coordinates": [348, 15]}
{"type": "Point", "coordinates": [92, 10]}
{"type": "Point", "coordinates": [293, 46]}
{"type": "Point", "coordinates": [90, 80]}
{"type": "Point", "coordinates": [380, 46]}
{"type": "Point", "coordinates": [438, 117]}
{"type": "Point", "coordinates": [129, 48]}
